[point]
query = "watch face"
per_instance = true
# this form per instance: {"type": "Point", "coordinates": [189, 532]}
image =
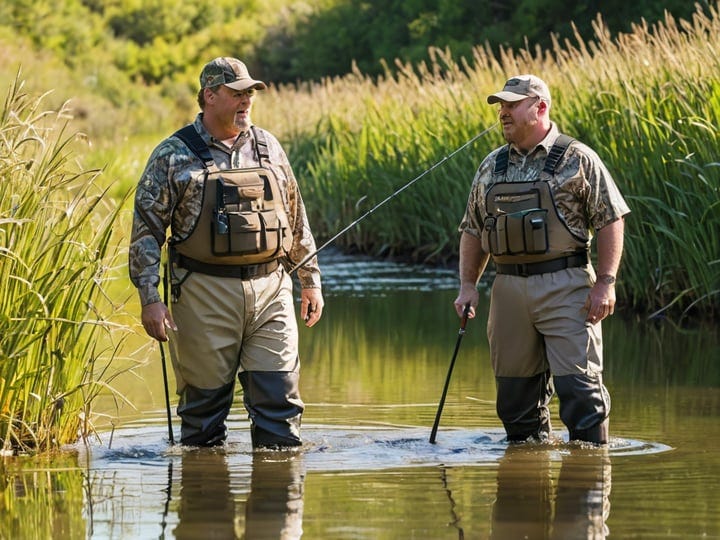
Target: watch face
{"type": "Point", "coordinates": [605, 278]}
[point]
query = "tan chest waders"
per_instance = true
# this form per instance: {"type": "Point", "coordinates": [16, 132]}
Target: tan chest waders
{"type": "Point", "coordinates": [243, 328]}
{"type": "Point", "coordinates": [534, 355]}
{"type": "Point", "coordinates": [243, 219]}
{"type": "Point", "coordinates": [522, 224]}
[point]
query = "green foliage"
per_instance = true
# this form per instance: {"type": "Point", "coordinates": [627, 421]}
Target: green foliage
{"type": "Point", "coordinates": [162, 42]}
{"type": "Point", "coordinates": [57, 251]}
{"type": "Point", "coordinates": [370, 33]}
{"type": "Point", "coordinates": [66, 29]}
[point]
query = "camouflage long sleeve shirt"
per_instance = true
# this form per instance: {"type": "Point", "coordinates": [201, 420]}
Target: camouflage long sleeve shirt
{"type": "Point", "coordinates": [169, 196]}
{"type": "Point", "coordinates": [584, 191]}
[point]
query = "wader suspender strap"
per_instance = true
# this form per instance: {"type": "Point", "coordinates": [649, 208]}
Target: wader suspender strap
{"type": "Point", "coordinates": [261, 145]}
{"type": "Point", "coordinates": [551, 161]}
{"type": "Point", "coordinates": [556, 153]}
{"type": "Point", "coordinates": [501, 161]}
{"type": "Point", "coordinates": [195, 142]}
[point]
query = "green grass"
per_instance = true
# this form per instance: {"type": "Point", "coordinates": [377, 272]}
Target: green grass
{"type": "Point", "coordinates": [58, 251]}
{"type": "Point", "coordinates": [647, 102]}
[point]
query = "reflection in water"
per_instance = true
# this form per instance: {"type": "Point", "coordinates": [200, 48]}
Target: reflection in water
{"type": "Point", "coordinates": [275, 506]}
{"type": "Point", "coordinates": [206, 507]}
{"type": "Point", "coordinates": [209, 509]}
{"type": "Point", "coordinates": [529, 506]}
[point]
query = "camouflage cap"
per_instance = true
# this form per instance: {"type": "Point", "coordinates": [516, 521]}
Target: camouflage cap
{"type": "Point", "coordinates": [230, 72]}
{"type": "Point", "coordinates": [521, 87]}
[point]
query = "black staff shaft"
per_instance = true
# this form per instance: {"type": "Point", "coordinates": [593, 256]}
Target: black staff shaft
{"type": "Point", "coordinates": [166, 286]}
{"type": "Point", "coordinates": [461, 333]}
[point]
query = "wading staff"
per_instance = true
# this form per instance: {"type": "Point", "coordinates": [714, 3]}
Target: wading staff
{"type": "Point", "coordinates": [461, 333]}
{"type": "Point", "coordinates": [390, 197]}
{"type": "Point", "coordinates": [162, 358]}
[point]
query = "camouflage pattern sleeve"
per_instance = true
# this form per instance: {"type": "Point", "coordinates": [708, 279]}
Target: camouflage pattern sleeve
{"type": "Point", "coordinates": [303, 240]}
{"type": "Point", "coordinates": [605, 203]}
{"type": "Point", "coordinates": [154, 200]}
{"type": "Point", "coordinates": [585, 193]}
{"type": "Point", "coordinates": [474, 211]}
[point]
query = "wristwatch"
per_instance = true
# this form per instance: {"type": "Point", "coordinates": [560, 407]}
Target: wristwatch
{"type": "Point", "coordinates": [607, 279]}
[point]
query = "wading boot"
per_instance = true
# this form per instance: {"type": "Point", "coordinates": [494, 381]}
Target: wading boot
{"type": "Point", "coordinates": [522, 405]}
{"type": "Point", "coordinates": [273, 402]}
{"type": "Point", "coordinates": [203, 413]}
{"type": "Point", "coordinates": [584, 407]}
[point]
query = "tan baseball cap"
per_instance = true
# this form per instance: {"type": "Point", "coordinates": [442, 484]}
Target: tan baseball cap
{"type": "Point", "coordinates": [522, 87]}
{"type": "Point", "coordinates": [228, 71]}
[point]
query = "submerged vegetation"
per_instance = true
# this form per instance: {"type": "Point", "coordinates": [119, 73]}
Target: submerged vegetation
{"type": "Point", "coordinates": [647, 101]}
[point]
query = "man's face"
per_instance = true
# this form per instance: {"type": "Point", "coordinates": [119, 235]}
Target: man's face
{"type": "Point", "coordinates": [236, 104]}
{"type": "Point", "coordinates": [519, 119]}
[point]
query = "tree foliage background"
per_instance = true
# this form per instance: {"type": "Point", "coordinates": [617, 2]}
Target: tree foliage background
{"type": "Point", "coordinates": [115, 57]}
{"type": "Point", "coordinates": [163, 42]}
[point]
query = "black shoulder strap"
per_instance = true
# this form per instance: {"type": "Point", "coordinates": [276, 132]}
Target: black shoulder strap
{"type": "Point", "coordinates": [556, 153]}
{"type": "Point", "coordinates": [261, 145]}
{"type": "Point", "coordinates": [195, 142]}
{"type": "Point", "coordinates": [501, 161]}
{"type": "Point", "coordinates": [551, 162]}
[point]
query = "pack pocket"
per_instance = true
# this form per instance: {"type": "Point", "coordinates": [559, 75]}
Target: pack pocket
{"type": "Point", "coordinates": [236, 226]}
{"type": "Point", "coordinates": [246, 233]}
{"type": "Point", "coordinates": [495, 235]}
{"type": "Point", "coordinates": [519, 233]}
{"type": "Point", "coordinates": [535, 231]}
{"type": "Point", "coordinates": [244, 194]}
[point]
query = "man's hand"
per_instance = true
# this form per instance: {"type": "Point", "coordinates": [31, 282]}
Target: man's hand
{"type": "Point", "coordinates": [600, 302]}
{"type": "Point", "coordinates": [311, 306]}
{"type": "Point", "coordinates": [155, 319]}
{"type": "Point", "coordinates": [468, 295]}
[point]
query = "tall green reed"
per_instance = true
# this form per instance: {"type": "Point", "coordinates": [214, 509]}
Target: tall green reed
{"type": "Point", "coordinates": [58, 249]}
{"type": "Point", "coordinates": [650, 105]}
{"type": "Point", "coordinates": [647, 101]}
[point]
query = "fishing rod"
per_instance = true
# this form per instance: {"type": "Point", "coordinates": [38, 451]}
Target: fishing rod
{"type": "Point", "coordinates": [390, 197]}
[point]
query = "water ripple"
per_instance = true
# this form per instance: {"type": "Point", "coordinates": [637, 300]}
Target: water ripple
{"type": "Point", "coordinates": [342, 448]}
{"type": "Point", "coordinates": [360, 275]}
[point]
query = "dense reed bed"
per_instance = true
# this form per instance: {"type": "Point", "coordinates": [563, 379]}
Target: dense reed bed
{"type": "Point", "coordinates": [648, 102]}
{"type": "Point", "coordinates": [57, 251]}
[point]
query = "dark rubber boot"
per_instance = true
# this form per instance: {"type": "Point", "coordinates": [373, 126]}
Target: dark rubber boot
{"type": "Point", "coordinates": [273, 402]}
{"type": "Point", "coordinates": [598, 434]}
{"type": "Point", "coordinates": [584, 407]}
{"type": "Point", "coordinates": [522, 405]}
{"type": "Point", "coordinates": [203, 413]}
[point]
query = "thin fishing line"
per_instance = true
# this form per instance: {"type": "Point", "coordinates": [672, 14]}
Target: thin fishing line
{"type": "Point", "coordinates": [392, 196]}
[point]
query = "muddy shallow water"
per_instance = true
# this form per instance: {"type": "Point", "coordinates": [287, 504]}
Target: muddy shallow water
{"type": "Point", "coordinates": [372, 375]}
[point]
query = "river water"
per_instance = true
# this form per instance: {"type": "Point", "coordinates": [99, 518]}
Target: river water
{"type": "Point", "coordinates": [372, 375]}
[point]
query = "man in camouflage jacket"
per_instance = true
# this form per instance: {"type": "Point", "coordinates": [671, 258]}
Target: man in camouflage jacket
{"type": "Point", "coordinates": [234, 319]}
{"type": "Point", "coordinates": [534, 207]}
